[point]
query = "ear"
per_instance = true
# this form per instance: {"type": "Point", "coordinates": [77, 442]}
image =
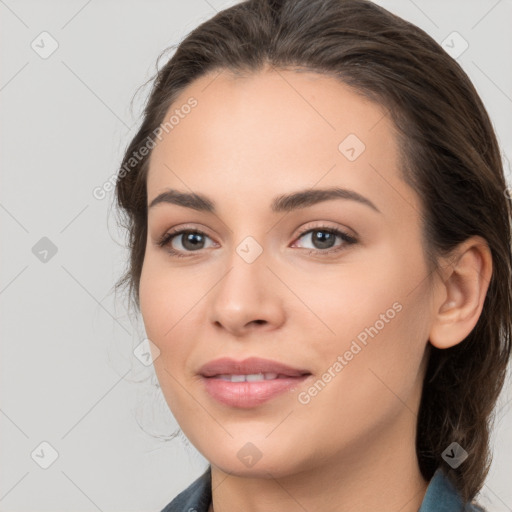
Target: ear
{"type": "Point", "coordinates": [459, 299]}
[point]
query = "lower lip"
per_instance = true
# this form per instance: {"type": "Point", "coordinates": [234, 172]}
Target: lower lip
{"type": "Point", "coordinates": [249, 394]}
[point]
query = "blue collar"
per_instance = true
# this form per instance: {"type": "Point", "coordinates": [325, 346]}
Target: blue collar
{"type": "Point", "coordinates": [441, 496]}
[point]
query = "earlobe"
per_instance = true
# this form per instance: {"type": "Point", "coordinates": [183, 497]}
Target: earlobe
{"type": "Point", "coordinates": [459, 301]}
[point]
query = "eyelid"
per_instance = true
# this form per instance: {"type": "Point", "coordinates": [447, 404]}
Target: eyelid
{"type": "Point", "coordinates": [314, 225]}
{"type": "Point", "coordinates": [178, 230]}
{"type": "Point", "coordinates": [184, 227]}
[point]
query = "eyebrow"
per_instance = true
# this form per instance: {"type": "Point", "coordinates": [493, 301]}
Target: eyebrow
{"type": "Point", "coordinates": [282, 203]}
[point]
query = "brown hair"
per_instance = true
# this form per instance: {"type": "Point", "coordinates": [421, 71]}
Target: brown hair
{"type": "Point", "coordinates": [450, 156]}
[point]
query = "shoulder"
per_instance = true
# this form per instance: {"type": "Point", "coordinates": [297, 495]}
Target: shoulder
{"type": "Point", "coordinates": [195, 498]}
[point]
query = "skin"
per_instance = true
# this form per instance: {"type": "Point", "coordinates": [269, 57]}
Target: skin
{"type": "Point", "coordinates": [250, 139]}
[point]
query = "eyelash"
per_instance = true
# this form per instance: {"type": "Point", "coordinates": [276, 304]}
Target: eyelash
{"type": "Point", "coordinates": [165, 240]}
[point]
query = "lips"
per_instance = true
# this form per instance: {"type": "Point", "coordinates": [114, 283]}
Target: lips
{"type": "Point", "coordinates": [250, 366]}
{"type": "Point", "coordinates": [250, 382]}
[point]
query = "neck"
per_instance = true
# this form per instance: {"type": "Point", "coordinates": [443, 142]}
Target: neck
{"type": "Point", "coordinates": [369, 477]}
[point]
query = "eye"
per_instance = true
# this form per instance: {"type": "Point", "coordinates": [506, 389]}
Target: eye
{"type": "Point", "coordinates": [191, 241]}
{"type": "Point", "coordinates": [180, 242]}
{"type": "Point", "coordinates": [323, 239]}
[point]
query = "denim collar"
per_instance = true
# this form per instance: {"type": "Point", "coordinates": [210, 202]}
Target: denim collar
{"type": "Point", "coordinates": [441, 496]}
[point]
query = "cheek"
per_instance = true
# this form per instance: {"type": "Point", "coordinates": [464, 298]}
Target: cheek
{"type": "Point", "coordinates": [152, 287]}
{"type": "Point", "coordinates": [166, 306]}
{"type": "Point", "coordinates": [376, 363]}
{"type": "Point", "coordinates": [374, 315]}
{"type": "Point", "coordinates": [166, 295]}
{"type": "Point", "coordinates": [371, 290]}
{"type": "Point", "coordinates": [172, 304]}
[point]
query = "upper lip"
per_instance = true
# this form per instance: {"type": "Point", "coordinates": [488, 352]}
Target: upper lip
{"type": "Point", "coordinates": [251, 365]}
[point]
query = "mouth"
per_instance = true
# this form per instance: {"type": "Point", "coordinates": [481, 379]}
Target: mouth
{"type": "Point", "coordinates": [252, 377]}
{"type": "Point", "coordinates": [249, 383]}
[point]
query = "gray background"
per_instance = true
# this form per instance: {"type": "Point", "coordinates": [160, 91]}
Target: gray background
{"type": "Point", "coordinates": [68, 374]}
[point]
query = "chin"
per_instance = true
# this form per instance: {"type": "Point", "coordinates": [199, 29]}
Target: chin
{"type": "Point", "coordinates": [261, 469]}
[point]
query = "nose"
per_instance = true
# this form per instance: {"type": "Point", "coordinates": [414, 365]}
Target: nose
{"type": "Point", "coordinates": [247, 298]}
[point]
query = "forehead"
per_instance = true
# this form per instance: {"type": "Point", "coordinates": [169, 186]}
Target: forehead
{"type": "Point", "coordinates": [272, 131]}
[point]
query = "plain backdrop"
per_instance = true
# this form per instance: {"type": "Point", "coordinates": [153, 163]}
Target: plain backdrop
{"type": "Point", "coordinates": [72, 392]}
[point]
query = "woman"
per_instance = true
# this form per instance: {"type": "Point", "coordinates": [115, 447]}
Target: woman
{"type": "Point", "coordinates": [320, 250]}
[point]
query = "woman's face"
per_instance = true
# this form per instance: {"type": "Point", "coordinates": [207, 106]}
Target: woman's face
{"type": "Point", "coordinates": [268, 277]}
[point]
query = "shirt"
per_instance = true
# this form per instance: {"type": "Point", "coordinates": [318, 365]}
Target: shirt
{"type": "Point", "coordinates": [441, 496]}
